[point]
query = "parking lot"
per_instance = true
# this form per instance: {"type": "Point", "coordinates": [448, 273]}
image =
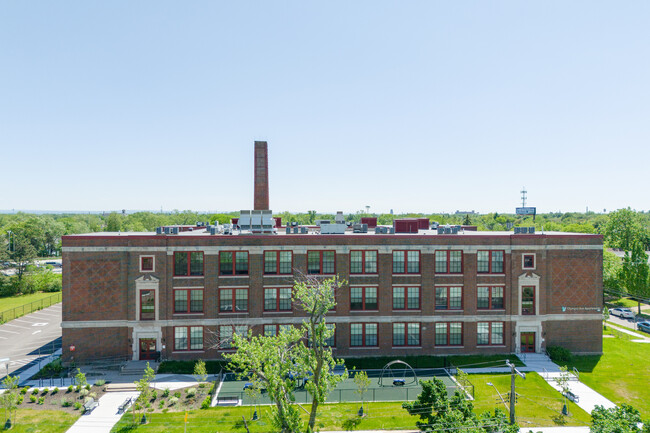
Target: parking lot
{"type": "Point", "coordinates": [30, 338]}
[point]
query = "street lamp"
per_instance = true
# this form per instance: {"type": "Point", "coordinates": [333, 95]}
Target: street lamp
{"type": "Point", "coordinates": [10, 233]}
{"type": "Point", "coordinates": [498, 393]}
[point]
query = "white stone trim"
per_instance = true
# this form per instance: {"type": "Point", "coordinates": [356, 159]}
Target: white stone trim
{"type": "Point", "coordinates": [528, 280]}
{"type": "Point", "coordinates": [534, 261]}
{"type": "Point", "coordinates": [147, 283]}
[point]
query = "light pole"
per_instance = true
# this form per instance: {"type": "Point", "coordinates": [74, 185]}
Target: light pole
{"type": "Point", "coordinates": [10, 233]}
{"type": "Point", "coordinates": [498, 393]}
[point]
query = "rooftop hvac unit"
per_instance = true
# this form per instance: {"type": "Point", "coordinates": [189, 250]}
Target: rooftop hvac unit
{"type": "Point", "coordinates": [294, 223]}
{"type": "Point", "coordinates": [531, 230]}
{"type": "Point", "coordinates": [454, 230]}
{"type": "Point", "coordinates": [288, 228]}
{"type": "Point", "coordinates": [159, 230]}
{"type": "Point", "coordinates": [171, 230]}
{"type": "Point", "coordinates": [434, 225]}
{"type": "Point", "coordinates": [303, 230]}
{"type": "Point", "coordinates": [360, 228]}
{"type": "Point", "coordinates": [441, 230]}
{"type": "Point", "coordinates": [391, 230]}
{"type": "Point", "coordinates": [296, 229]}
{"type": "Point", "coordinates": [381, 230]}
{"type": "Point", "coordinates": [339, 218]}
{"type": "Point", "coordinates": [320, 223]}
{"type": "Point", "coordinates": [447, 230]}
{"type": "Point", "coordinates": [332, 229]}
{"type": "Point", "coordinates": [214, 230]}
{"type": "Point", "coordinates": [168, 230]}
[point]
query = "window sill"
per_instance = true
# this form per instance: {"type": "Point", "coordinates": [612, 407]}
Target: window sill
{"type": "Point", "coordinates": [528, 269]}
{"type": "Point", "coordinates": [406, 347]}
{"type": "Point", "coordinates": [407, 275]}
{"type": "Point", "coordinates": [490, 275]}
{"type": "Point", "coordinates": [407, 311]}
{"type": "Point", "coordinates": [449, 311]}
{"type": "Point", "coordinates": [229, 313]}
{"type": "Point", "coordinates": [487, 346]}
{"type": "Point", "coordinates": [485, 310]}
{"type": "Point", "coordinates": [188, 277]}
{"type": "Point", "coordinates": [364, 347]}
{"type": "Point", "coordinates": [449, 274]}
{"type": "Point", "coordinates": [364, 275]}
{"type": "Point", "coordinates": [363, 311]}
{"type": "Point", "coordinates": [234, 276]}
{"type": "Point", "coordinates": [449, 347]}
{"type": "Point", "coordinates": [189, 314]}
{"type": "Point", "coordinates": [278, 312]}
{"type": "Point", "coordinates": [279, 275]}
{"type": "Point", "coordinates": [189, 351]}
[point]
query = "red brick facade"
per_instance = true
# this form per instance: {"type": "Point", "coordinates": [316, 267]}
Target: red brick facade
{"type": "Point", "coordinates": [103, 286]}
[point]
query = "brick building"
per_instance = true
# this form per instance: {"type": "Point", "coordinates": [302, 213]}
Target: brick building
{"type": "Point", "coordinates": [411, 292]}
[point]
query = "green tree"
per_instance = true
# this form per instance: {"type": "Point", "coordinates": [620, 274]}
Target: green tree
{"type": "Point", "coordinates": [142, 386]}
{"type": "Point", "coordinates": [605, 317]}
{"type": "Point", "coordinates": [276, 363]}
{"type": "Point", "coordinates": [623, 228]}
{"type": "Point", "coordinates": [611, 270]}
{"type": "Point", "coordinates": [362, 381]}
{"type": "Point", "coordinates": [618, 419]}
{"type": "Point", "coordinates": [9, 399]}
{"type": "Point", "coordinates": [22, 253]}
{"type": "Point", "coordinates": [200, 372]}
{"type": "Point", "coordinates": [113, 223]}
{"type": "Point", "coordinates": [467, 221]}
{"type": "Point", "coordinates": [634, 273]}
{"type": "Point", "coordinates": [437, 412]}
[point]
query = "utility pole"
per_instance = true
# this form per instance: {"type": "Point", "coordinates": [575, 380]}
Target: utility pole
{"type": "Point", "coordinates": [513, 373]}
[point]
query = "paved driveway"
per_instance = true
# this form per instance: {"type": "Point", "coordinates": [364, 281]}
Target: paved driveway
{"type": "Point", "coordinates": [28, 338]}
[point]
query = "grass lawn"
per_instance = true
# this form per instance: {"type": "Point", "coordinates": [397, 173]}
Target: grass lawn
{"type": "Point", "coordinates": [16, 301]}
{"type": "Point", "coordinates": [42, 421]}
{"type": "Point", "coordinates": [538, 404]}
{"type": "Point", "coordinates": [621, 373]}
{"type": "Point", "coordinates": [627, 302]}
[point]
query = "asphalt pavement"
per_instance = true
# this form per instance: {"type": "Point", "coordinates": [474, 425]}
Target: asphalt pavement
{"type": "Point", "coordinates": [28, 339]}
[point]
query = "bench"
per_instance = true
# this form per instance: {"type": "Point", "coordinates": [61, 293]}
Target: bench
{"type": "Point", "coordinates": [125, 405]}
{"type": "Point", "coordinates": [90, 405]}
{"type": "Point", "coordinates": [399, 382]}
{"type": "Point", "coordinates": [573, 397]}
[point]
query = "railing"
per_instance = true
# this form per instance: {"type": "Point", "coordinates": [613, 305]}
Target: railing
{"type": "Point", "coordinates": [576, 373]}
{"type": "Point", "coordinates": [16, 312]}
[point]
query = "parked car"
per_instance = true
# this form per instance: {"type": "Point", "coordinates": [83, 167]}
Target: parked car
{"type": "Point", "coordinates": [624, 313]}
{"type": "Point", "coordinates": [643, 326]}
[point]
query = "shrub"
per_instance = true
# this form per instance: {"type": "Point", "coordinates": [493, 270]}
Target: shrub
{"type": "Point", "coordinates": [165, 393]}
{"type": "Point", "coordinates": [21, 398]}
{"type": "Point", "coordinates": [55, 390]}
{"type": "Point", "coordinates": [207, 402]}
{"type": "Point", "coordinates": [66, 403]}
{"type": "Point", "coordinates": [34, 391]}
{"type": "Point", "coordinates": [191, 392]}
{"type": "Point", "coordinates": [41, 400]}
{"type": "Point", "coordinates": [77, 405]}
{"type": "Point", "coordinates": [154, 395]}
{"type": "Point", "coordinates": [92, 395]}
{"type": "Point", "coordinates": [45, 391]}
{"type": "Point", "coordinates": [173, 400]}
{"type": "Point", "coordinates": [24, 390]}
{"type": "Point", "coordinates": [165, 410]}
{"type": "Point", "coordinates": [100, 382]}
{"type": "Point", "coordinates": [559, 355]}
{"type": "Point", "coordinates": [87, 387]}
{"type": "Point", "coordinates": [70, 388]}
{"type": "Point", "coordinates": [32, 398]}
{"type": "Point", "coordinates": [84, 392]}
{"type": "Point", "coordinates": [177, 394]}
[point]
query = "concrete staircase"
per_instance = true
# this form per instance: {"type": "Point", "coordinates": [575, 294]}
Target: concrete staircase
{"type": "Point", "coordinates": [136, 368]}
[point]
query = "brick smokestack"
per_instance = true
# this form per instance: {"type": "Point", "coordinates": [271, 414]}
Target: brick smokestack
{"type": "Point", "coordinates": [261, 176]}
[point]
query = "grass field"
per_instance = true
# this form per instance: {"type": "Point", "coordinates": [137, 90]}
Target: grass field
{"type": "Point", "coordinates": [538, 404]}
{"type": "Point", "coordinates": [42, 421]}
{"type": "Point", "coordinates": [16, 301]}
{"type": "Point", "coordinates": [621, 373]}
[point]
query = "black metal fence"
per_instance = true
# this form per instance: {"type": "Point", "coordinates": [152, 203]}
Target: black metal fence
{"type": "Point", "coordinates": [21, 310]}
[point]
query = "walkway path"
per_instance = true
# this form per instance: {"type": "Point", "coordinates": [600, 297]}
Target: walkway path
{"type": "Point", "coordinates": [640, 338]}
{"type": "Point", "coordinates": [105, 416]}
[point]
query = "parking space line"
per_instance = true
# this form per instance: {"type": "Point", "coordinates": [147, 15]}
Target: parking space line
{"type": "Point", "coordinates": [11, 332]}
{"type": "Point", "coordinates": [14, 326]}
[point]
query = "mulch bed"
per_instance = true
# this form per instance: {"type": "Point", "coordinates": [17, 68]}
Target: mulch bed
{"type": "Point", "coordinates": [54, 400]}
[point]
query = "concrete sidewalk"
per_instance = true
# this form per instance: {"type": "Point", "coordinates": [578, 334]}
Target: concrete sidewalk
{"type": "Point", "coordinates": [640, 338]}
{"type": "Point", "coordinates": [105, 416]}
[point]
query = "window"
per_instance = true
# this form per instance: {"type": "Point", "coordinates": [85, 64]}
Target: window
{"type": "Point", "coordinates": [278, 262]}
{"type": "Point", "coordinates": [406, 334]}
{"type": "Point", "coordinates": [490, 298]}
{"type": "Point", "coordinates": [233, 300]}
{"type": "Point", "coordinates": [363, 262]}
{"type": "Point", "coordinates": [490, 262]}
{"type": "Point", "coordinates": [528, 300]}
{"type": "Point", "coordinates": [147, 263]}
{"type": "Point", "coordinates": [363, 334]}
{"type": "Point", "coordinates": [449, 334]}
{"type": "Point", "coordinates": [226, 333]}
{"type": "Point", "coordinates": [240, 260]}
{"type": "Point", "coordinates": [188, 300]}
{"type": "Point", "coordinates": [195, 340]}
{"type": "Point", "coordinates": [406, 298]}
{"type": "Point", "coordinates": [406, 262]}
{"type": "Point", "coordinates": [363, 298]}
{"type": "Point", "coordinates": [528, 261]}
{"type": "Point", "coordinates": [273, 330]}
{"type": "Point", "coordinates": [147, 304]}
{"type": "Point", "coordinates": [188, 263]}
{"type": "Point", "coordinates": [449, 298]}
{"type": "Point", "coordinates": [277, 299]}
{"type": "Point", "coordinates": [321, 262]}
{"type": "Point", "coordinates": [449, 262]}
{"type": "Point", "coordinates": [489, 334]}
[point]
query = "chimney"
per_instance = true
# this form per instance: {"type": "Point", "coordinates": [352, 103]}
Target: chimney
{"type": "Point", "coordinates": [261, 176]}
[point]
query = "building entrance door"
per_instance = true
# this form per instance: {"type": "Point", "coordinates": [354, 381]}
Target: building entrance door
{"type": "Point", "coordinates": [527, 342]}
{"type": "Point", "coordinates": [147, 349]}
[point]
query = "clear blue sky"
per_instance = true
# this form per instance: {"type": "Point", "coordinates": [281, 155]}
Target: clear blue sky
{"type": "Point", "coordinates": [406, 105]}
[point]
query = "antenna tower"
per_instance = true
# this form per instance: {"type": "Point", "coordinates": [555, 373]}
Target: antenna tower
{"type": "Point", "coordinates": [523, 196]}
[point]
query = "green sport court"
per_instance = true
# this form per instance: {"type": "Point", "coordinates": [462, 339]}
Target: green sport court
{"type": "Point", "coordinates": [396, 385]}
